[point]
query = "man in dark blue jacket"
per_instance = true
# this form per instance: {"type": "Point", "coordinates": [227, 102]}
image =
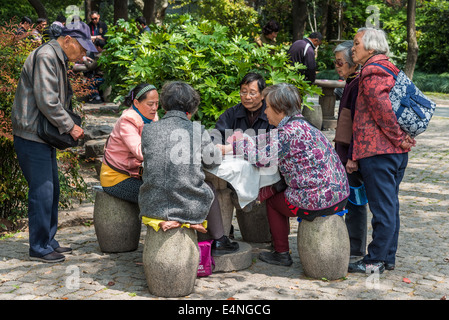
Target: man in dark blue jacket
{"type": "Point", "coordinates": [249, 113]}
{"type": "Point", "coordinates": [303, 51]}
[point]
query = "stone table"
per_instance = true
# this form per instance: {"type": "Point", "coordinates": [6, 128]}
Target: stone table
{"type": "Point", "coordinates": [327, 101]}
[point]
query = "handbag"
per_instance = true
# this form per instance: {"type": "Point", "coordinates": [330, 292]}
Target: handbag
{"type": "Point", "coordinates": [343, 132]}
{"type": "Point", "coordinates": [50, 134]}
{"type": "Point", "coordinates": [206, 264]}
{"type": "Point", "coordinates": [47, 131]}
{"type": "Point", "coordinates": [412, 108]}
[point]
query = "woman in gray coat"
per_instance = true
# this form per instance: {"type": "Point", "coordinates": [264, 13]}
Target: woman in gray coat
{"type": "Point", "coordinates": [175, 150]}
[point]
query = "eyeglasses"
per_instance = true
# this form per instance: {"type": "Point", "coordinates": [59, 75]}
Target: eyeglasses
{"type": "Point", "coordinates": [251, 94]}
{"type": "Point", "coordinates": [339, 63]}
{"type": "Point", "coordinates": [94, 18]}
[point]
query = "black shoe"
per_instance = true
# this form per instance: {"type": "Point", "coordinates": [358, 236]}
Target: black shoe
{"type": "Point", "coordinates": [277, 258]}
{"type": "Point", "coordinates": [50, 258]}
{"type": "Point", "coordinates": [223, 246]}
{"type": "Point", "coordinates": [362, 267]}
{"type": "Point", "coordinates": [63, 250]}
{"type": "Point", "coordinates": [389, 266]}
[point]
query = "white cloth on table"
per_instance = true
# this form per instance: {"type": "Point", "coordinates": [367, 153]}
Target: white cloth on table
{"type": "Point", "coordinates": [245, 178]}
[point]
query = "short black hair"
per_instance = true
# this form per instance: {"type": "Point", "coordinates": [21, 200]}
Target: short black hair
{"type": "Point", "coordinates": [178, 95]}
{"type": "Point", "coordinates": [270, 27]}
{"type": "Point", "coordinates": [253, 76]}
{"type": "Point", "coordinates": [141, 20]}
{"type": "Point", "coordinates": [61, 18]}
{"type": "Point", "coordinates": [316, 35]}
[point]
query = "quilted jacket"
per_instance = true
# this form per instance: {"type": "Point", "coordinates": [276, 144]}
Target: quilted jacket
{"type": "Point", "coordinates": [375, 128]}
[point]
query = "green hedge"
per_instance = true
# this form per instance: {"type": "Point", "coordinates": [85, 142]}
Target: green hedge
{"type": "Point", "coordinates": [201, 53]}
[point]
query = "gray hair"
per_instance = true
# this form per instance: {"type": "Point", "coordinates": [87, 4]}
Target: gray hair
{"type": "Point", "coordinates": [375, 39]}
{"type": "Point", "coordinates": [346, 48]}
{"type": "Point", "coordinates": [283, 97]}
{"type": "Point", "coordinates": [178, 95]}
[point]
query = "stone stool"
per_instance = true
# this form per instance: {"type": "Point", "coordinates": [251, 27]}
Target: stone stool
{"type": "Point", "coordinates": [117, 223]}
{"type": "Point", "coordinates": [323, 247]}
{"type": "Point", "coordinates": [170, 260]}
{"type": "Point", "coordinates": [254, 225]}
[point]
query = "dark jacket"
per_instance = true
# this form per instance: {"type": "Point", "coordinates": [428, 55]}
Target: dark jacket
{"type": "Point", "coordinates": [303, 51]}
{"type": "Point", "coordinates": [236, 118]}
{"type": "Point", "coordinates": [348, 100]}
{"type": "Point", "coordinates": [99, 30]}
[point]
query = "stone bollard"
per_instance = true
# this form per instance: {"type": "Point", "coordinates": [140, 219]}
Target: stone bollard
{"type": "Point", "coordinates": [323, 247]}
{"type": "Point", "coordinates": [254, 225]}
{"type": "Point", "coordinates": [314, 116]}
{"type": "Point", "coordinates": [170, 260]}
{"type": "Point", "coordinates": [117, 223]}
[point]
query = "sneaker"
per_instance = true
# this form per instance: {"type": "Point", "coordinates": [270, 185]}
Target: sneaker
{"type": "Point", "coordinates": [223, 246]}
{"type": "Point", "coordinates": [49, 258]}
{"type": "Point", "coordinates": [277, 258]}
{"type": "Point", "coordinates": [363, 267]}
{"type": "Point", "coordinates": [63, 250]}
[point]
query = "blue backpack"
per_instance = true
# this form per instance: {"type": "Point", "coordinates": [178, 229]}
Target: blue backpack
{"type": "Point", "coordinates": [412, 108]}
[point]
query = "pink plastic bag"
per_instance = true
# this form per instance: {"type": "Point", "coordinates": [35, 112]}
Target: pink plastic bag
{"type": "Point", "coordinates": [207, 263]}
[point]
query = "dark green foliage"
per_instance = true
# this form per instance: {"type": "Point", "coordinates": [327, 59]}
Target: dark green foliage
{"type": "Point", "coordinates": [202, 54]}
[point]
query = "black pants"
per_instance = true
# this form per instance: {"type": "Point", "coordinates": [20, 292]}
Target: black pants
{"type": "Point", "coordinates": [356, 220]}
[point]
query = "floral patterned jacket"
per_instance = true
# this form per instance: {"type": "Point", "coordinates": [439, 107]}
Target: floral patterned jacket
{"type": "Point", "coordinates": [375, 127]}
{"type": "Point", "coordinates": [306, 159]}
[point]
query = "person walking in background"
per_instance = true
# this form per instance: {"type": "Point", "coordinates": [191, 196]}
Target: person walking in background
{"type": "Point", "coordinates": [380, 149]}
{"type": "Point", "coordinates": [303, 51]}
{"type": "Point", "coordinates": [356, 218]}
{"type": "Point", "coordinates": [44, 88]}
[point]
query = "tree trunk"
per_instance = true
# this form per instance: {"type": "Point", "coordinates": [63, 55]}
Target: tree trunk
{"type": "Point", "coordinates": [120, 10]}
{"type": "Point", "coordinates": [325, 18]}
{"type": "Point", "coordinates": [299, 18]}
{"type": "Point", "coordinates": [148, 11]}
{"type": "Point", "coordinates": [40, 9]}
{"type": "Point", "coordinates": [412, 51]}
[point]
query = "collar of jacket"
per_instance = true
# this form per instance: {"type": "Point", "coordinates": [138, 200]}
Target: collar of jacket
{"type": "Point", "coordinates": [375, 58]}
{"type": "Point", "coordinates": [176, 113]}
{"type": "Point", "coordinates": [241, 111]}
{"type": "Point", "coordinates": [59, 52]}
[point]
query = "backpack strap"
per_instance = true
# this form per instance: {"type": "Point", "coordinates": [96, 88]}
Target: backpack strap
{"type": "Point", "coordinates": [385, 68]}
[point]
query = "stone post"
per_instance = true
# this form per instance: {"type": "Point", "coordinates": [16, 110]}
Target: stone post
{"type": "Point", "coordinates": [323, 247]}
{"type": "Point", "coordinates": [117, 223]}
{"type": "Point", "coordinates": [170, 260]}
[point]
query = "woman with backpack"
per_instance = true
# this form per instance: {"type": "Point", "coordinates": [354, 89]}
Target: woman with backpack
{"type": "Point", "coordinates": [380, 148]}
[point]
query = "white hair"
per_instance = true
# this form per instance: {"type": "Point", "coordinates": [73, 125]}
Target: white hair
{"type": "Point", "coordinates": [375, 39]}
{"type": "Point", "coordinates": [346, 48]}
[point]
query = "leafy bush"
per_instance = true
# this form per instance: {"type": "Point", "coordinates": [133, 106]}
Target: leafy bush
{"type": "Point", "coordinates": [201, 53]}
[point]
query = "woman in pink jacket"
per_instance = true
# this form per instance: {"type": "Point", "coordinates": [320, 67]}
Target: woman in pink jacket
{"type": "Point", "coordinates": [122, 160]}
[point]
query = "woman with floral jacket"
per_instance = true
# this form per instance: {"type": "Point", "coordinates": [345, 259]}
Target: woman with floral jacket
{"type": "Point", "coordinates": [316, 179]}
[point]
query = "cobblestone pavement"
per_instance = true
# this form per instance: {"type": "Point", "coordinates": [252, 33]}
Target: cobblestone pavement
{"type": "Point", "coordinates": [422, 268]}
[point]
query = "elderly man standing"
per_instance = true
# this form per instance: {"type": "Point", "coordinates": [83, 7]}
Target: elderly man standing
{"type": "Point", "coordinates": [97, 28]}
{"type": "Point", "coordinates": [303, 51]}
{"type": "Point", "coordinates": [44, 88]}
